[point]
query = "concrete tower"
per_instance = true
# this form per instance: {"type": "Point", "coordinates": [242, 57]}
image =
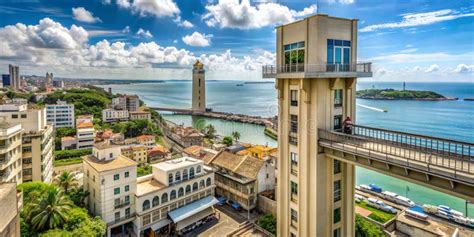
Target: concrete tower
{"type": "Point", "coordinates": [199, 88]}
{"type": "Point", "coordinates": [14, 77]}
{"type": "Point", "coordinates": [315, 77]}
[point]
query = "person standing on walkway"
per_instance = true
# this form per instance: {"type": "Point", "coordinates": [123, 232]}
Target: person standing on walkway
{"type": "Point", "coordinates": [347, 125]}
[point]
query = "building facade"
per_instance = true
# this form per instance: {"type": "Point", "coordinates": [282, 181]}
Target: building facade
{"type": "Point", "coordinates": [61, 114]}
{"type": "Point", "coordinates": [15, 82]}
{"type": "Point", "coordinates": [10, 153]}
{"type": "Point", "coordinates": [11, 202]}
{"type": "Point", "coordinates": [187, 136]}
{"type": "Point", "coordinates": [85, 132]}
{"type": "Point", "coordinates": [199, 88]}
{"type": "Point", "coordinates": [140, 115]}
{"type": "Point", "coordinates": [138, 153]}
{"type": "Point", "coordinates": [316, 80]}
{"type": "Point", "coordinates": [126, 102]}
{"type": "Point", "coordinates": [5, 80]}
{"type": "Point", "coordinates": [112, 115]}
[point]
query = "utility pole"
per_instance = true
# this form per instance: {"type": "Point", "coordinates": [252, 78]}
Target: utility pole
{"type": "Point", "coordinates": [467, 202]}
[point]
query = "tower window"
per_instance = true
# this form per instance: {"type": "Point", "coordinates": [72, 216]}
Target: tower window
{"type": "Point", "coordinates": [338, 98]}
{"type": "Point", "coordinates": [337, 122]}
{"type": "Point", "coordinates": [294, 97]}
{"type": "Point", "coordinates": [337, 166]}
{"type": "Point", "coordinates": [337, 215]}
{"type": "Point", "coordinates": [337, 190]}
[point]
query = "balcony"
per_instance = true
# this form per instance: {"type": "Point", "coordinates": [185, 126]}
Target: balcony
{"type": "Point", "coordinates": [317, 70]}
{"type": "Point", "coordinates": [125, 218]}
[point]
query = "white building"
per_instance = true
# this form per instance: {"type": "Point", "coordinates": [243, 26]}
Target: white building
{"type": "Point", "coordinates": [112, 115]}
{"type": "Point", "coordinates": [10, 152]}
{"type": "Point", "coordinates": [126, 102]}
{"type": "Point", "coordinates": [178, 192]}
{"type": "Point", "coordinates": [140, 115]}
{"type": "Point", "coordinates": [60, 115]}
{"type": "Point", "coordinates": [85, 132]}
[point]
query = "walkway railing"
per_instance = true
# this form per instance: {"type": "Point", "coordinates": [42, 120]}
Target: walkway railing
{"type": "Point", "coordinates": [449, 154]}
{"type": "Point", "coordinates": [268, 70]}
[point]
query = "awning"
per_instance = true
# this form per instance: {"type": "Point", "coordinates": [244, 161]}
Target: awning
{"type": "Point", "coordinates": [192, 208]}
{"type": "Point", "coordinates": [194, 218]}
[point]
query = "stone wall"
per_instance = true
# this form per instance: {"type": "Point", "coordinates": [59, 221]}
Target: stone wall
{"type": "Point", "coordinates": [266, 205]}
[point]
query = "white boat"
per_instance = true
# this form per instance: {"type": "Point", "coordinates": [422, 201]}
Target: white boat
{"type": "Point", "coordinates": [404, 201]}
{"type": "Point", "coordinates": [379, 204]}
{"type": "Point", "coordinates": [364, 187]}
{"type": "Point", "coordinates": [389, 195]}
{"type": "Point", "coordinates": [416, 215]}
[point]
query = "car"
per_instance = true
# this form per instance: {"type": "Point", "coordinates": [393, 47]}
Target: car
{"type": "Point", "coordinates": [416, 215]}
{"type": "Point", "coordinates": [404, 201]}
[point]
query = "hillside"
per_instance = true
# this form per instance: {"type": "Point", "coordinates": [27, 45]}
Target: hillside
{"type": "Point", "coordinates": [392, 94]}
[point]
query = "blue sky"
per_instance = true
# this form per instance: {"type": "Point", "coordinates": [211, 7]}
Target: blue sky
{"type": "Point", "coordinates": [160, 39]}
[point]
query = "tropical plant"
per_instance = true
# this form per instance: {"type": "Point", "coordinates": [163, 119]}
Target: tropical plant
{"type": "Point", "coordinates": [268, 222]}
{"type": "Point", "coordinates": [78, 196]}
{"type": "Point", "coordinates": [66, 180]}
{"type": "Point", "coordinates": [50, 211]}
{"type": "Point", "coordinates": [236, 135]}
{"type": "Point", "coordinates": [210, 131]}
{"type": "Point", "coordinates": [228, 141]}
{"type": "Point", "coordinates": [365, 228]}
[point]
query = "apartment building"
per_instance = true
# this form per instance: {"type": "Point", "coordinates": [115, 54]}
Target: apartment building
{"type": "Point", "coordinates": [316, 76]}
{"type": "Point", "coordinates": [138, 153]}
{"type": "Point", "coordinates": [177, 193]}
{"type": "Point", "coordinates": [10, 152]}
{"type": "Point", "coordinates": [147, 140]}
{"type": "Point", "coordinates": [37, 139]}
{"type": "Point", "coordinates": [11, 202]}
{"type": "Point", "coordinates": [140, 115]}
{"type": "Point", "coordinates": [15, 82]}
{"type": "Point", "coordinates": [61, 114]}
{"type": "Point", "coordinates": [157, 153]}
{"type": "Point", "coordinates": [112, 115]}
{"type": "Point", "coordinates": [239, 179]}
{"type": "Point", "coordinates": [126, 102]}
{"type": "Point", "coordinates": [85, 132]}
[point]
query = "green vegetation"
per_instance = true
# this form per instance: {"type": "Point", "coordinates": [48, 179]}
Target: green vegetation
{"type": "Point", "coordinates": [30, 97]}
{"type": "Point", "coordinates": [134, 128]}
{"type": "Point", "coordinates": [365, 228]}
{"type": "Point", "coordinates": [377, 215]}
{"type": "Point", "coordinates": [143, 170]}
{"type": "Point", "coordinates": [227, 140]}
{"type": "Point", "coordinates": [68, 161]}
{"type": "Point", "coordinates": [236, 135]}
{"type": "Point", "coordinates": [66, 154]}
{"type": "Point", "coordinates": [63, 132]}
{"type": "Point", "coordinates": [56, 210]}
{"type": "Point", "coordinates": [269, 132]}
{"type": "Point", "coordinates": [392, 94]}
{"type": "Point", "coordinates": [210, 131]}
{"type": "Point", "coordinates": [268, 222]}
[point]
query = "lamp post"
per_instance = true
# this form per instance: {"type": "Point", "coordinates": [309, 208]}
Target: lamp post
{"type": "Point", "coordinates": [467, 202]}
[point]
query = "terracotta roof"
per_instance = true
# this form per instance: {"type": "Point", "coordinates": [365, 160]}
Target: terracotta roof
{"type": "Point", "coordinates": [106, 165]}
{"type": "Point", "coordinates": [145, 137]}
{"type": "Point", "coordinates": [203, 153]}
{"type": "Point", "coordinates": [85, 125]}
{"type": "Point", "coordinates": [247, 166]}
{"type": "Point", "coordinates": [148, 186]}
{"type": "Point", "coordinates": [193, 150]}
{"type": "Point", "coordinates": [105, 144]}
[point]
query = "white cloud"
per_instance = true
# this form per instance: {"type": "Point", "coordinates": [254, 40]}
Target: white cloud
{"type": "Point", "coordinates": [126, 30]}
{"type": "Point", "coordinates": [81, 14]}
{"type": "Point", "coordinates": [421, 57]}
{"type": "Point", "coordinates": [463, 68]}
{"type": "Point", "coordinates": [185, 23]}
{"type": "Point", "coordinates": [417, 19]}
{"type": "Point", "coordinates": [432, 68]}
{"type": "Point", "coordinates": [143, 33]}
{"type": "Point", "coordinates": [242, 15]}
{"type": "Point", "coordinates": [409, 50]}
{"type": "Point", "coordinates": [197, 39]}
{"type": "Point", "coordinates": [157, 8]}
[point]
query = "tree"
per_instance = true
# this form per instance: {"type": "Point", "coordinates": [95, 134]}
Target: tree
{"type": "Point", "coordinates": [268, 222]}
{"type": "Point", "coordinates": [51, 211]}
{"type": "Point", "coordinates": [228, 141]}
{"type": "Point", "coordinates": [236, 135]}
{"type": "Point", "coordinates": [66, 180]}
{"type": "Point", "coordinates": [365, 228]}
{"type": "Point", "coordinates": [78, 196]}
{"type": "Point", "coordinates": [210, 131]}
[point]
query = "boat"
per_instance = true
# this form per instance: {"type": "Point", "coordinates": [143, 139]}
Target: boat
{"type": "Point", "coordinates": [364, 187]}
{"type": "Point", "coordinates": [416, 215]}
{"type": "Point", "coordinates": [404, 201]}
{"type": "Point", "coordinates": [379, 204]}
{"type": "Point", "coordinates": [445, 215]}
{"type": "Point", "coordinates": [391, 196]}
{"type": "Point", "coordinates": [468, 99]}
{"type": "Point", "coordinates": [450, 210]}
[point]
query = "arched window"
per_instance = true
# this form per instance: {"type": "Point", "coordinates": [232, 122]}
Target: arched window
{"type": "Point", "coordinates": [201, 184]}
{"type": "Point", "coordinates": [156, 201]}
{"type": "Point", "coordinates": [177, 176]}
{"type": "Point", "coordinates": [146, 205]}
{"type": "Point", "coordinates": [208, 182]}
{"type": "Point", "coordinates": [164, 198]}
{"type": "Point", "coordinates": [181, 192]}
{"type": "Point", "coordinates": [188, 189]}
{"type": "Point", "coordinates": [195, 186]}
{"type": "Point", "coordinates": [170, 178]}
{"type": "Point", "coordinates": [173, 195]}
{"type": "Point", "coordinates": [198, 169]}
{"type": "Point", "coordinates": [191, 173]}
{"type": "Point", "coordinates": [185, 174]}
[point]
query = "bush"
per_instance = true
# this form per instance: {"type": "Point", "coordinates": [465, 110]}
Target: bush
{"type": "Point", "coordinates": [365, 228]}
{"type": "Point", "coordinates": [67, 161]}
{"type": "Point", "coordinates": [66, 154]}
{"type": "Point", "coordinates": [134, 128]}
{"type": "Point", "coordinates": [227, 140]}
{"type": "Point", "coordinates": [268, 222]}
{"type": "Point", "coordinates": [143, 170]}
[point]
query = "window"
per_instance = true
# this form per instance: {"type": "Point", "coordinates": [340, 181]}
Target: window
{"type": "Point", "coordinates": [294, 97]}
{"type": "Point", "coordinates": [116, 191]}
{"type": "Point", "coordinates": [294, 57]}
{"type": "Point", "coordinates": [127, 212]}
{"type": "Point", "coordinates": [294, 218]}
{"type": "Point", "coordinates": [116, 176]}
{"type": "Point", "coordinates": [208, 182]}
{"type": "Point", "coordinates": [181, 192]}
{"type": "Point", "coordinates": [294, 123]}
{"type": "Point", "coordinates": [202, 184]}
{"type": "Point", "coordinates": [294, 191]}
{"type": "Point", "coordinates": [23, 116]}
{"type": "Point", "coordinates": [146, 205]}
{"type": "Point", "coordinates": [337, 190]}
{"type": "Point", "coordinates": [177, 176]}
{"type": "Point", "coordinates": [337, 232]}
{"type": "Point", "coordinates": [127, 200]}
{"type": "Point", "coordinates": [117, 202]}
{"type": "Point", "coordinates": [337, 122]}
{"type": "Point", "coordinates": [170, 178]}
{"type": "Point", "coordinates": [337, 98]}
{"type": "Point", "coordinates": [338, 55]}
{"type": "Point", "coordinates": [127, 174]}
{"type": "Point", "coordinates": [191, 172]}
{"type": "Point", "coordinates": [117, 216]}
{"type": "Point", "coordinates": [14, 116]}
{"type": "Point", "coordinates": [188, 189]}
{"type": "Point", "coordinates": [337, 166]}
{"type": "Point", "coordinates": [294, 158]}
{"type": "Point", "coordinates": [198, 169]}
{"type": "Point", "coordinates": [185, 174]}
{"type": "Point", "coordinates": [173, 195]}
{"type": "Point", "coordinates": [337, 215]}
{"type": "Point", "coordinates": [195, 186]}
{"type": "Point", "coordinates": [127, 188]}
{"type": "Point", "coordinates": [164, 198]}
{"type": "Point", "coordinates": [146, 219]}
{"type": "Point", "coordinates": [156, 201]}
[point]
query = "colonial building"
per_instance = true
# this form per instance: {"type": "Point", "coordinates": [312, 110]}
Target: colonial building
{"type": "Point", "coordinates": [157, 153]}
{"type": "Point", "coordinates": [200, 152]}
{"type": "Point", "coordinates": [240, 178]}
{"type": "Point", "coordinates": [147, 140]}
{"type": "Point", "coordinates": [316, 76]}
{"type": "Point", "coordinates": [140, 115]}
{"type": "Point", "coordinates": [186, 136]}
{"type": "Point", "coordinates": [112, 115]}
{"type": "Point", "coordinates": [61, 114]}
{"type": "Point", "coordinates": [138, 153]}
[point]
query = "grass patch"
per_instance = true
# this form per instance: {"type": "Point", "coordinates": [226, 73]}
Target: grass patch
{"type": "Point", "coordinates": [68, 161]}
{"type": "Point", "coordinates": [143, 170]}
{"type": "Point", "coordinates": [377, 215]}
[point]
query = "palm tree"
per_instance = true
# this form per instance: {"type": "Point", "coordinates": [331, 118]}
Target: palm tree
{"type": "Point", "coordinates": [66, 180]}
{"type": "Point", "coordinates": [50, 211]}
{"type": "Point", "coordinates": [210, 130]}
{"type": "Point", "coordinates": [236, 135]}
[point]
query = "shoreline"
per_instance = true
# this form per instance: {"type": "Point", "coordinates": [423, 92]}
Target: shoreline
{"type": "Point", "coordinates": [417, 99]}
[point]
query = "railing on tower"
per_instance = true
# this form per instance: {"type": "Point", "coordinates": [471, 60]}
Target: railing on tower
{"type": "Point", "coordinates": [268, 70]}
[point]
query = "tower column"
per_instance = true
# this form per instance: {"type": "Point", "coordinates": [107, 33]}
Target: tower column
{"type": "Point", "coordinates": [199, 88]}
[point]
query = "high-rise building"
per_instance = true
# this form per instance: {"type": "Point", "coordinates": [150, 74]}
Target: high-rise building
{"type": "Point", "coordinates": [316, 76]}
{"type": "Point", "coordinates": [126, 102]}
{"type": "Point", "coordinates": [5, 80]}
{"type": "Point", "coordinates": [10, 152]}
{"type": "Point", "coordinates": [60, 115]}
{"type": "Point", "coordinates": [199, 88]}
{"type": "Point", "coordinates": [15, 82]}
{"type": "Point", "coordinates": [37, 139]}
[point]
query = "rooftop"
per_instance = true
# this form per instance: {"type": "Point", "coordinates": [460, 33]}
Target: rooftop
{"type": "Point", "coordinates": [145, 137]}
{"type": "Point", "coordinates": [177, 164]}
{"type": "Point", "coordinates": [246, 166]}
{"type": "Point", "coordinates": [148, 185]}
{"type": "Point", "coordinates": [106, 165]}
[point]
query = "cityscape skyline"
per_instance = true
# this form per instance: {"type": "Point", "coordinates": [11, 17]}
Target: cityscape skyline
{"type": "Point", "coordinates": [161, 40]}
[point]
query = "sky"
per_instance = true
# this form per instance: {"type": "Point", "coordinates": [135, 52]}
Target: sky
{"type": "Point", "coordinates": [160, 39]}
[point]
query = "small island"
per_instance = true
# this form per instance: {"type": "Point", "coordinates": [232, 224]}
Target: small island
{"type": "Point", "coordinates": [392, 94]}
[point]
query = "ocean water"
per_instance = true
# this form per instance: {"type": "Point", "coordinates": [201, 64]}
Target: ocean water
{"type": "Point", "coordinates": [447, 119]}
